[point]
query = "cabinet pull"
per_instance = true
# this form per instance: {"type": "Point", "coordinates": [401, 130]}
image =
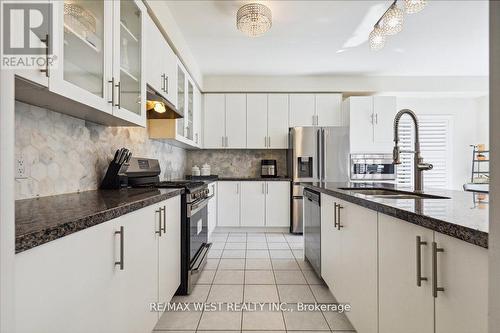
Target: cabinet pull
{"type": "Point", "coordinates": [237, 188]}
{"type": "Point", "coordinates": [119, 86]}
{"type": "Point", "coordinates": [222, 138]}
{"type": "Point", "coordinates": [196, 136]}
{"type": "Point", "coordinates": [163, 82]}
{"type": "Point", "coordinates": [263, 188]}
{"type": "Point", "coordinates": [164, 228]}
{"type": "Point", "coordinates": [112, 81]}
{"type": "Point", "coordinates": [267, 188]}
{"type": "Point", "coordinates": [420, 278]}
{"type": "Point", "coordinates": [227, 142]}
{"type": "Point", "coordinates": [269, 141]}
{"type": "Point", "coordinates": [376, 118]}
{"type": "Point", "coordinates": [159, 223]}
{"type": "Point", "coordinates": [371, 119]}
{"type": "Point", "coordinates": [122, 237]}
{"type": "Point", "coordinates": [46, 40]}
{"type": "Point", "coordinates": [166, 83]}
{"type": "Point", "coordinates": [339, 207]}
{"type": "Point", "coordinates": [335, 215]}
{"type": "Point", "coordinates": [435, 287]}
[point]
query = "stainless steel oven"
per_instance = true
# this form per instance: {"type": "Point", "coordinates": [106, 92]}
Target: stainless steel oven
{"type": "Point", "coordinates": [372, 167]}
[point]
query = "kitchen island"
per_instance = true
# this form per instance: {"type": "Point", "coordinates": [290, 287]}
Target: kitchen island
{"type": "Point", "coordinates": [404, 263]}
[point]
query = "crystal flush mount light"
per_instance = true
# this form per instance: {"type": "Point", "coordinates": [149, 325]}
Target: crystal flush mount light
{"type": "Point", "coordinates": [391, 22]}
{"type": "Point", "coordinates": [254, 19]}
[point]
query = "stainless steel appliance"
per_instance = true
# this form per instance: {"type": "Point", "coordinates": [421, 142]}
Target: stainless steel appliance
{"type": "Point", "coordinates": [316, 154]}
{"type": "Point", "coordinates": [372, 167]}
{"type": "Point", "coordinates": [268, 168]}
{"type": "Point", "coordinates": [312, 229]}
{"type": "Point", "coordinates": [143, 172]}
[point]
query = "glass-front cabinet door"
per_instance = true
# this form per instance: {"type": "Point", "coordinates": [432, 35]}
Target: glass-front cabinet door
{"type": "Point", "coordinates": [82, 42]}
{"type": "Point", "coordinates": [129, 85]}
{"type": "Point", "coordinates": [181, 100]}
{"type": "Point", "coordinates": [188, 118]}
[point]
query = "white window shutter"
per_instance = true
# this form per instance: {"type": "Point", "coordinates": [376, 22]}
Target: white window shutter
{"type": "Point", "coordinates": [435, 138]}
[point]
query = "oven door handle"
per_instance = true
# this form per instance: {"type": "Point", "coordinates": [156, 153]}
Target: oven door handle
{"type": "Point", "coordinates": [198, 206]}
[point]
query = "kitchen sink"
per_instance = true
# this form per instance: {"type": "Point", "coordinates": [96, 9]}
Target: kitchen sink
{"type": "Point", "coordinates": [391, 194]}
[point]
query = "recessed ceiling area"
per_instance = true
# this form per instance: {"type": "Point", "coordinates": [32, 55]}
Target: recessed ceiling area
{"type": "Point", "coordinates": [447, 38]}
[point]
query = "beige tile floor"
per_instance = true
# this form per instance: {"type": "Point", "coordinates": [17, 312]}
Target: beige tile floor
{"type": "Point", "coordinates": [256, 267]}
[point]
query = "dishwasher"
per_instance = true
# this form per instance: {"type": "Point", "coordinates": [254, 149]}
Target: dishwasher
{"type": "Point", "coordinates": [312, 229]}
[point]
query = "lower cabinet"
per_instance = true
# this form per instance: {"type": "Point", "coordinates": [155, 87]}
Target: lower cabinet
{"type": "Point", "coordinates": [77, 284]}
{"type": "Point", "coordinates": [228, 204]}
{"type": "Point", "coordinates": [405, 304]}
{"type": "Point", "coordinates": [212, 209]}
{"type": "Point", "coordinates": [253, 204]}
{"type": "Point", "coordinates": [462, 271]}
{"type": "Point", "coordinates": [422, 281]}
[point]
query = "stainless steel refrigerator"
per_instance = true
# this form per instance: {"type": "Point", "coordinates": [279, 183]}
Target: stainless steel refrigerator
{"type": "Point", "coordinates": [315, 154]}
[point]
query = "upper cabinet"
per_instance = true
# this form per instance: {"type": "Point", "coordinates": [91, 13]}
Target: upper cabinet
{"type": "Point", "coordinates": [161, 65]}
{"type": "Point", "coordinates": [98, 74]}
{"type": "Point", "coordinates": [254, 121]}
{"type": "Point", "coordinates": [324, 109]}
{"type": "Point", "coordinates": [371, 121]}
{"type": "Point", "coordinates": [267, 121]}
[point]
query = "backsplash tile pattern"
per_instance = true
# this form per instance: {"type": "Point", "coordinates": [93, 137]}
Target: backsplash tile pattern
{"type": "Point", "coordinates": [236, 162]}
{"type": "Point", "coordinates": [63, 154]}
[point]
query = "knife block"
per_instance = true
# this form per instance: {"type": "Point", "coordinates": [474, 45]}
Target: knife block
{"type": "Point", "coordinates": [115, 177]}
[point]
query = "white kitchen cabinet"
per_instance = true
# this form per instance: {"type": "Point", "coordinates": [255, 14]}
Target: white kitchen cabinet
{"type": "Point", "coordinates": [253, 204]}
{"type": "Point", "coordinates": [330, 244]}
{"type": "Point", "coordinates": [277, 204]}
{"type": "Point", "coordinates": [212, 210]}
{"type": "Point", "coordinates": [462, 270]}
{"type": "Point", "coordinates": [302, 110]}
{"type": "Point", "coordinates": [256, 121]}
{"type": "Point", "coordinates": [358, 282]}
{"type": "Point", "coordinates": [371, 123]}
{"type": "Point", "coordinates": [228, 204]}
{"type": "Point", "coordinates": [80, 288]}
{"type": "Point", "coordinates": [161, 65]}
{"type": "Point", "coordinates": [277, 121]}
{"type": "Point", "coordinates": [197, 122]}
{"type": "Point", "coordinates": [404, 306]}
{"type": "Point", "coordinates": [169, 248]}
{"type": "Point", "coordinates": [236, 114]}
{"type": "Point", "coordinates": [84, 58]}
{"type": "Point", "coordinates": [214, 121]}
{"type": "Point", "coordinates": [328, 109]}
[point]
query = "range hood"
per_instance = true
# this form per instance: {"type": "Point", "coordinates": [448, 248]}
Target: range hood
{"type": "Point", "coordinates": [158, 107]}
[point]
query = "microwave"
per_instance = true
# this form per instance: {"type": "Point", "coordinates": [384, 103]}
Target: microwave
{"type": "Point", "coordinates": [372, 167]}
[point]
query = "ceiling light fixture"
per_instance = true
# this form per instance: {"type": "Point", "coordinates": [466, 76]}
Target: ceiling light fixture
{"type": "Point", "coordinates": [414, 6]}
{"type": "Point", "coordinates": [391, 22]}
{"type": "Point", "coordinates": [254, 19]}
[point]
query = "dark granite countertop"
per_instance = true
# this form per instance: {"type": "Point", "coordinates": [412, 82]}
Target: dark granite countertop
{"type": "Point", "coordinates": [459, 216]}
{"type": "Point", "coordinates": [255, 179]}
{"type": "Point", "coordinates": [41, 220]}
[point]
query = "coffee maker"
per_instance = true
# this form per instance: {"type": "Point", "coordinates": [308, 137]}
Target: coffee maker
{"type": "Point", "coordinates": [268, 169]}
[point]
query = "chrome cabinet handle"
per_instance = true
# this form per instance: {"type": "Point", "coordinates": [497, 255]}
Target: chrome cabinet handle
{"type": "Point", "coordinates": [166, 83]}
{"type": "Point", "coordinates": [46, 40]}
{"type": "Point", "coordinates": [339, 207]}
{"type": "Point", "coordinates": [335, 215]}
{"type": "Point", "coordinates": [164, 228]}
{"type": "Point", "coordinates": [163, 82]}
{"type": "Point", "coordinates": [267, 188]}
{"type": "Point", "coordinates": [227, 142]}
{"type": "Point", "coordinates": [435, 287]}
{"type": "Point", "coordinates": [222, 138]}
{"type": "Point", "coordinates": [376, 118]}
{"type": "Point", "coordinates": [263, 188]}
{"type": "Point", "coordinates": [112, 81]}
{"type": "Point", "coordinates": [269, 141]}
{"type": "Point", "coordinates": [196, 136]}
{"type": "Point", "coordinates": [159, 224]}
{"type": "Point", "coordinates": [420, 278]}
{"type": "Point", "coordinates": [122, 237]}
{"type": "Point", "coordinates": [119, 86]}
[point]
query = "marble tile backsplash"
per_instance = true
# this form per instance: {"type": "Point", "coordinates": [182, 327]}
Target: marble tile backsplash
{"type": "Point", "coordinates": [63, 154]}
{"type": "Point", "coordinates": [236, 162]}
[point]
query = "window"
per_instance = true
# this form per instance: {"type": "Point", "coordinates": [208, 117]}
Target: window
{"type": "Point", "coordinates": [435, 138]}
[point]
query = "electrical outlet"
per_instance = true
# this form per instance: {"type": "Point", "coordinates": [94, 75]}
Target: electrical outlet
{"type": "Point", "coordinates": [20, 168]}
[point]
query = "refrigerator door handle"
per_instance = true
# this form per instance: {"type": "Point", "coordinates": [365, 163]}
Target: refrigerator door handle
{"type": "Point", "coordinates": [318, 154]}
{"type": "Point", "coordinates": [323, 154]}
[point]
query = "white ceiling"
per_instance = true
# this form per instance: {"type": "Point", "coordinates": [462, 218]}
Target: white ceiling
{"type": "Point", "coordinates": [448, 38]}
